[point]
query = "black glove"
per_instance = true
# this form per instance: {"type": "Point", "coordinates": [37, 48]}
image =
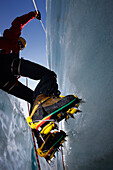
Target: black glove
{"type": "Point", "coordinates": [38, 16]}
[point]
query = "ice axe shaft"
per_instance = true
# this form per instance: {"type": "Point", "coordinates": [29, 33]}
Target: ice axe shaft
{"type": "Point", "coordinates": [37, 14]}
{"type": "Point", "coordinates": [35, 6]}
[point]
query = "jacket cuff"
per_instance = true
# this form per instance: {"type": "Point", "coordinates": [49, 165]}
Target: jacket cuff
{"type": "Point", "coordinates": [35, 13]}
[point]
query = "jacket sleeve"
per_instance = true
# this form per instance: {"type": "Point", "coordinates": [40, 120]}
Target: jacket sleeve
{"type": "Point", "coordinates": [23, 20]}
{"type": "Point", "coordinates": [12, 34]}
{"type": "Point", "coordinates": [14, 31]}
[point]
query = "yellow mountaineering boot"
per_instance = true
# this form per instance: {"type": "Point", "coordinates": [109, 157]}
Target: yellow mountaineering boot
{"type": "Point", "coordinates": [46, 112]}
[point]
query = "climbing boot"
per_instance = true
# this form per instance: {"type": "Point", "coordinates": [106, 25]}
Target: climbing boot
{"type": "Point", "coordinates": [50, 144]}
{"type": "Point", "coordinates": [48, 110]}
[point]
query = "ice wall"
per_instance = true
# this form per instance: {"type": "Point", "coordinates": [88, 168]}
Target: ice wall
{"type": "Point", "coordinates": [16, 148]}
{"type": "Point", "coordinates": [80, 51]}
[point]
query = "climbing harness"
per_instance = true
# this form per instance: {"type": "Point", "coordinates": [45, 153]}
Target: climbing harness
{"type": "Point", "coordinates": [8, 86]}
{"type": "Point", "coordinates": [18, 68]}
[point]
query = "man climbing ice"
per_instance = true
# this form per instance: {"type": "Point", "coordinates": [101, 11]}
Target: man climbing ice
{"type": "Point", "coordinates": [11, 66]}
{"type": "Point", "coordinates": [47, 108]}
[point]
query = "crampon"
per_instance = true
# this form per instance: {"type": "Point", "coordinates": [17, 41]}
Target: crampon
{"type": "Point", "coordinates": [47, 112]}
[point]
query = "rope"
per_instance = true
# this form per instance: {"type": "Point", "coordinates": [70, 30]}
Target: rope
{"type": "Point", "coordinates": [27, 102]}
{"type": "Point", "coordinates": [38, 163]}
{"type": "Point", "coordinates": [62, 158]}
{"type": "Point", "coordinates": [37, 14]}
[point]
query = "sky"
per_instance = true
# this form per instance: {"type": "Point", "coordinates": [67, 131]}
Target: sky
{"type": "Point", "coordinates": [33, 32]}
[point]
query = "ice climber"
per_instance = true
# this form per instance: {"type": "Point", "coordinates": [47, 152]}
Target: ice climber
{"type": "Point", "coordinates": [11, 66]}
{"type": "Point", "coordinates": [47, 108]}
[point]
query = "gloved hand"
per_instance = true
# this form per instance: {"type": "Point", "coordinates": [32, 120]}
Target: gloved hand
{"type": "Point", "coordinates": [38, 16]}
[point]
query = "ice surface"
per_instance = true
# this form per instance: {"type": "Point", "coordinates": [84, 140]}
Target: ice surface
{"type": "Point", "coordinates": [80, 51]}
{"type": "Point", "coordinates": [16, 147]}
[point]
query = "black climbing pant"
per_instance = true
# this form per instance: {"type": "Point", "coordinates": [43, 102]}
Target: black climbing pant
{"type": "Point", "coordinates": [11, 67]}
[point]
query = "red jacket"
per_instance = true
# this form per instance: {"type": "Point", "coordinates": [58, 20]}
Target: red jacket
{"type": "Point", "coordinates": [10, 36]}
